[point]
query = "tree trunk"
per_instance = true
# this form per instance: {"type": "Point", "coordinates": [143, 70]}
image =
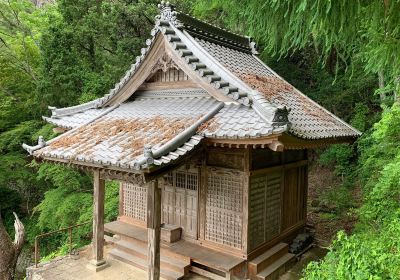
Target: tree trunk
{"type": "Point", "coordinates": [396, 89]}
{"type": "Point", "coordinates": [381, 80]}
{"type": "Point", "coordinates": [9, 251]}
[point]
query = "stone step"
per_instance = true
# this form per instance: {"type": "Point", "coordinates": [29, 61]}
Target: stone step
{"type": "Point", "coordinates": [166, 261]}
{"type": "Point", "coordinates": [142, 264]}
{"type": "Point", "coordinates": [276, 269]}
{"type": "Point", "coordinates": [264, 260]}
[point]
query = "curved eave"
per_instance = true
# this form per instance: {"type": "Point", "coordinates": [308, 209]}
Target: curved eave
{"type": "Point", "coordinates": [292, 142]}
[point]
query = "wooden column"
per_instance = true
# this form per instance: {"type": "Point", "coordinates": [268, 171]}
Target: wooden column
{"type": "Point", "coordinates": [154, 229]}
{"type": "Point", "coordinates": [98, 262]}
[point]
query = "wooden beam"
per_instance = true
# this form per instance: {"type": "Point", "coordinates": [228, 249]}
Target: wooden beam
{"type": "Point", "coordinates": [276, 146]}
{"type": "Point", "coordinates": [98, 263]}
{"type": "Point", "coordinates": [154, 229]}
{"type": "Point", "coordinates": [244, 142]}
{"type": "Point", "coordinates": [168, 85]}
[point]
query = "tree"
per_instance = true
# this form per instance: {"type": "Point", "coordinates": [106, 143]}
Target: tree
{"type": "Point", "coordinates": [89, 46]}
{"type": "Point", "coordinates": [341, 31]}
{"type": "Point", "coordinates": [9, 251]}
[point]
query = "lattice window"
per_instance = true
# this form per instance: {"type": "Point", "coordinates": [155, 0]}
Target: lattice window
{"type": "Point", "coordinates": [192, 181]}
{"type": "Point", "coordinates": [169, 178]}
{"type": "Point", "coordinates": [135, 201]}
{"type": "Point", "coordinates": [180, 180]}
{"type": "Point", "coordinates": [224, 208]}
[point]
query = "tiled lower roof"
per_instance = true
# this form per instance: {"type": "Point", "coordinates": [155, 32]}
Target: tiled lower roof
{"type": "Point", "coordinates": [118, 138]}
{"type": "Point", "coordinates": [75, 120]}
{"type": "Point", "coordinates": [238, 122]}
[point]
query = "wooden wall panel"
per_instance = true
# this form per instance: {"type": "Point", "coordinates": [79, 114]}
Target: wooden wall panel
{"type": "Point", "coordinates": [294, 197]}
{"type": "Point", "coordinates": [262, 158]}
{"type": "Point", "coordinates": [226, 158]}
{"type": "Point", "coordinates": [295, 155]}
{"type": "Point", "coordinates": [264, 208]}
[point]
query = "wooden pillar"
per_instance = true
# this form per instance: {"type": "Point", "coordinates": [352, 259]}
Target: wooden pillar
{"type": "Point", "coordinates": [98, 262]}
{"type": "Point", "coordinates": [154, 229]}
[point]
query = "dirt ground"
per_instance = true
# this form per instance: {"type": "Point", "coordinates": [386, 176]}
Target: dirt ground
{"type": "Point", "coordinates": [324, 218]}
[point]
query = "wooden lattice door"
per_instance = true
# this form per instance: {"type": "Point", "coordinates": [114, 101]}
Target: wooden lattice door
{"type": "Point", "coordinates": [179, 201]}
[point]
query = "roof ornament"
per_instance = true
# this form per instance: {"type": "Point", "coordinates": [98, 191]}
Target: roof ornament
{"type": "Point", "coordinates": [30, 149]}
{"type": "Point", "coordinates": [164, 63]}
{"type": "Point", "coordinates": [167, 13]}
{"type": "Point", "coordinates": [253, 46]}
{"type": "Point", "coordinates": [41, 142]}
{"type": "Point", "coordinates": [148, 154]}
{"type": "Point", "coordinates": [281, 116]}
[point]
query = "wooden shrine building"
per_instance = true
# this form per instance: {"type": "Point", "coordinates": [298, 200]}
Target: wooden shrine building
{"type": "Point", "coordinates": [210, 147]}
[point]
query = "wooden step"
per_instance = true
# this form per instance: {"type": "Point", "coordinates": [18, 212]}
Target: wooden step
{"type": "Point", "coordinates": [275, 269]}
{"type": "Point", "coordinates": [138, 236]}
{"type": "Point", "coordinates": [168, 262]}
{"type": "Point", "coordinates": [142, 264]}
{"type": "Point", "coordinates": [264, 260]}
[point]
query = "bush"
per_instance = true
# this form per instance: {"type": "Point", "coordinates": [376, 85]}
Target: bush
{"type": "Point", "coordinates": [373, 250]}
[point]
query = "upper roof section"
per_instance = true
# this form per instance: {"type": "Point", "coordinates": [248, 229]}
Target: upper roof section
{"type": "Point", "coordinates": [186, 65]}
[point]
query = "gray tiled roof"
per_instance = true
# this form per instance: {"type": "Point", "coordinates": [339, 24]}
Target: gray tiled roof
{"type": "Point", "coordinates": [238, 122]}
{"type": "Point", "coordinates": [74, 120]}
{"type": "Point", "coordinates": [236, 61]}
{"type": "Point", "coordinates": [308, 119]}
{"type": "Point", "coordinates": [173, 122]}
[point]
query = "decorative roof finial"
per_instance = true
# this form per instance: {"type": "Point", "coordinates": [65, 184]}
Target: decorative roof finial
{"type": "Point", "coordinates": [41, 142]}
{"type": "Point", "coordinates": [167, 13]}
{"type": "Point", "coordinates": [148, 154]}
{"type": "Point", "coordinates": [30, 149]}
{"type": "Point", "coordinates": [253, 46]}
{"type": "Point", "coordinates": [281, 116]}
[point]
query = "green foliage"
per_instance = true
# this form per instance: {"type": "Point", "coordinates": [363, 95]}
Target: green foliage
{"type": "Point", "coordinates": [70, 202]}
{"type": "Point", "coordinates": [89, 46]}
{"type": "Point", "coordinates": [360, 257]}
{"type": "Point", "coordinates": [347, 31]}
{"type": "Point", "coordinates": [339, 156]}
{"type": "Point", "coordinates": [372, 252]}
{"type": "Point", "coordinates": [9, 200]}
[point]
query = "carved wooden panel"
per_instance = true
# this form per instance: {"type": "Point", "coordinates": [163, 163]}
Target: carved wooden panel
{"type": "Point", "coordinates": [264, 208]}
{"type": "Point", "coordinates": [224, 207]}
{"type": "Point", "coordinates": [180, 198]}
{"type": "Point", "coordinates": [134, 201]}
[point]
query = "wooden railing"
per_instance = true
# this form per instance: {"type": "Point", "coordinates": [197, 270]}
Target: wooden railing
{"type": "Point", "coordinates": [69, 229]}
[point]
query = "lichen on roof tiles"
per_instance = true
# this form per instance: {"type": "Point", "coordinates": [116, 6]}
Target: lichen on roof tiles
{"type": "Point", "coordinates": [307, 119]}
{"type": "Point", "coordinates": [128, 136]}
